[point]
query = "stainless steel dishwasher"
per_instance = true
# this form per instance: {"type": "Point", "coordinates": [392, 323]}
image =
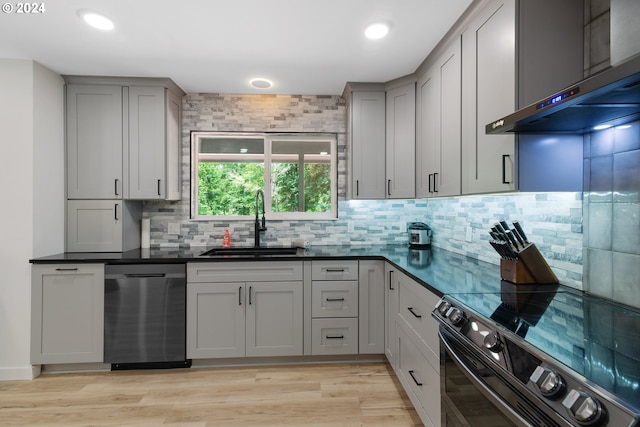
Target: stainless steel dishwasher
{"type": "Point", "coordinates": [145, 316]}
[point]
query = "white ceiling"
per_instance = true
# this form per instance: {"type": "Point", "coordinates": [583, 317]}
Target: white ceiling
{"type": "Point", "coordinates": [215, 46]}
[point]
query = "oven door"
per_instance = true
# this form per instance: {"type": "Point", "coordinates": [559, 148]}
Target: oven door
{"type": "Point", "coordinates": [474, 394]}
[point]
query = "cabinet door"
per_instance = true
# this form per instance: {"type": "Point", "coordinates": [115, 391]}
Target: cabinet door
{"type": "Point", "coordinates": [95, 225]}
{"type": "Point", "coordinates": [392, 285]}
{"type": "Point", "coordinates": [401, 142]}
{"type": "Point", "coordinates": [94, 142]}
{"type": "Point", "coordinates": [372, 307]}
{"type": "Point", "coordinates": [147, 142]}
{"type": "Point", "coordinates": [419, 379]}
{"type": "Point", "coordinates": [438, 144]}
{"type": "Point", "coordinates": [67, 313]}
{"type": "Point", "coordinates": [174, 147]}
{"type": "Point", "coordinates": [215, 320]}
{"type": "Point", "coordinates": [274, 319]}
{"type": "Point", "coordinates": [368, 145]}
{"type": "Point", "coordinates": [488, 88]}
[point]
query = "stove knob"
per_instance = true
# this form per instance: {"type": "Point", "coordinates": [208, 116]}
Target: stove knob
{"type": "Point", "coordinates": [585, 409]}
{"type": "Point", "coordinates": [492, 342]}
{"type": "Point", "coordinates": [456, 316]}
{"type": "Point", "coordinates": [549, 382]}
{"type": "Point", "coordinates": [443, 307]}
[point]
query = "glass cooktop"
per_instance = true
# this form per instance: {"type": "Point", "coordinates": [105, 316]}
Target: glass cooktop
{"type": "Point", "coordinates": [596, 338]}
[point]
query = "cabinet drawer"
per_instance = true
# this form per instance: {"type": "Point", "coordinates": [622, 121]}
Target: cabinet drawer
{"type": "Point", "coordinates": [414, 309]}
{"type": "Point", "coordinates": [250, 271]}
{"type": "Point", "coordinates": [334, 298]}
{"type": "Point", "coordinates": [334, 336]}
{"type": "Point", "coordinates": [418, 375]}
{"type": "Point", "coordinates": [334, 270]}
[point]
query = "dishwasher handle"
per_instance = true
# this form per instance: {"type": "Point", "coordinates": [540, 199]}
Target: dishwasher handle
{"type": "Point", "coordinates": [142, 275]}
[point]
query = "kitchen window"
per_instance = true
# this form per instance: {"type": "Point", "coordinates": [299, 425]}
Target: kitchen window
{"type": "Point", "coordinates": [296, 172]}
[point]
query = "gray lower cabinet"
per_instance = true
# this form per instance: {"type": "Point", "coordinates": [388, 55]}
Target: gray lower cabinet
{"type": "Point", "coordinates": [334, 307]}
{"type": "Point", "coordinates": [67, 313]}
{"type": "Point", "coordinates": [391, 283]}
{"type": "Point", "coordinates": [371, 301]}
{"type": "Point", "coordinates": [232, 314]}
{"type": "Point", "coordinates": [412, 346]}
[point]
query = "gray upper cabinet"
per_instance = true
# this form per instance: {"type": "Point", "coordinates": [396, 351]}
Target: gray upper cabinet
{"type": "Point", "coordinates": [514, 52]}
{"type": "Point", "coordinates": [438, 141]}
{"type": "Point", "coordinates": [367, 140]}
{"type": "Point", "coordinates": [123, 138]}
{"type": "Point", "coordinates": [401, 142]}
{"type": "Point", "coordinates": [146, 142]}
{"type": "Point", "coordinates": [488, 91]}
{"type": "Point", "coordinates": [154, 143]}
{"type": "Point", "coordinates": [94, 142]}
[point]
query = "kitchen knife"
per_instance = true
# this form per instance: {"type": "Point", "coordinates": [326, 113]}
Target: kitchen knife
{"type": "Point", "coordinates": [511, 254]}
{"type": "Point", "coordinates": [517, 236]}
{"type": "Point", "coordinates": [501, 231]}
{"type": "Point", "coordinates": [504, 225]}
{"type": "Point", "coordinates": [518, 227]}
{"type": "Point", "coordinates": [512, 239]}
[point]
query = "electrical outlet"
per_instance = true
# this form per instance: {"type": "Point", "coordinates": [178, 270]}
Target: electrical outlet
{"type": "Point", "coordinates": [174, 228]}
{"type": "Point", "coordinates": [469, 234]}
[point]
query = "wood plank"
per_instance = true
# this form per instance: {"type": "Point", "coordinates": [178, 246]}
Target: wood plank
{"type": "Point", "coordinates": [336, 394]}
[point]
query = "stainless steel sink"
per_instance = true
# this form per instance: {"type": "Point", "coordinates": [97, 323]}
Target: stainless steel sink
{"type": "Point", "coordinates": [249, 251]}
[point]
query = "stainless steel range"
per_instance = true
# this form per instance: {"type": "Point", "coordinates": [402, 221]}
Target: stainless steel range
{"type": "Point", "coordinates": [538, 355]}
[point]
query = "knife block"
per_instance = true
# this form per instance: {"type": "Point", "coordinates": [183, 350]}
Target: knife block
{"type": "Point", "coordinates": [531, 267]}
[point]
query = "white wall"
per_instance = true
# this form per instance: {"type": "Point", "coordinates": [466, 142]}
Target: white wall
{"type": "Point", "coordinates": [31, 111]}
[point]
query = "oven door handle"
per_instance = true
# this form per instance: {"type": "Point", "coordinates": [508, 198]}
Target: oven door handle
{"type": "Point", "coordinates": [482, 387]}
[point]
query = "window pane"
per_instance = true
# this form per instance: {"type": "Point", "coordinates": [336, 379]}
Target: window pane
{"type": "Point", "coordinates": [301, 176]}
{"type": "Point", "coordinates": [230, 171]}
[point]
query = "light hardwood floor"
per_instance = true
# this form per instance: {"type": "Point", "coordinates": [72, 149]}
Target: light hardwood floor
{"type": "Point", "coordinates": [366, 394]}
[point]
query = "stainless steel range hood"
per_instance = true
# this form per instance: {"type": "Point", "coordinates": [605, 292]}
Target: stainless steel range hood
{"type": "Point", "coordinates": [611, 97]}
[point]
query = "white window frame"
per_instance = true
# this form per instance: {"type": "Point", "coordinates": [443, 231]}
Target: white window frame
{"type": "Point", "coordinates": [269, 139]}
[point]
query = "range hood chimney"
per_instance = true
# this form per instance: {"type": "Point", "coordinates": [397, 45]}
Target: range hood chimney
{"type": "Point", "coordinates": [611, 97]}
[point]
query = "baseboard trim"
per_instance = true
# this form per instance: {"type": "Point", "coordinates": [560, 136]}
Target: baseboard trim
{"type": "Point", "coordinates": [26, 373]}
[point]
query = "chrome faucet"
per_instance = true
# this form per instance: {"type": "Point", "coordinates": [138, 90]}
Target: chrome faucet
{"type": "Point", "coordinates": [259, 228]}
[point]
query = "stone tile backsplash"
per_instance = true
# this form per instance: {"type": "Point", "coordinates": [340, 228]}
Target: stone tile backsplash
{"type": "Point", "coordinates": [612, 213]}
{"type": "Point", "coordinates": [459, 224]}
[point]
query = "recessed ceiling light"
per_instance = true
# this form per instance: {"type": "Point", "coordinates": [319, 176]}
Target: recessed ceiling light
{"type": "Point", "coordinates": [261, 83]}
{"type": "Point", "coordinates": [96, 20]}
{"type": "Point", "coordinates": [601, 127]}
{"type": "Point", "coordinates": [376, 31]}
{"type": "Point", "coordinates": [623, 127]}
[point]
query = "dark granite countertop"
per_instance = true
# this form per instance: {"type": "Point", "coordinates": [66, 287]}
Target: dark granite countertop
{"type": "Point", "coordinates": [439, 270]}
